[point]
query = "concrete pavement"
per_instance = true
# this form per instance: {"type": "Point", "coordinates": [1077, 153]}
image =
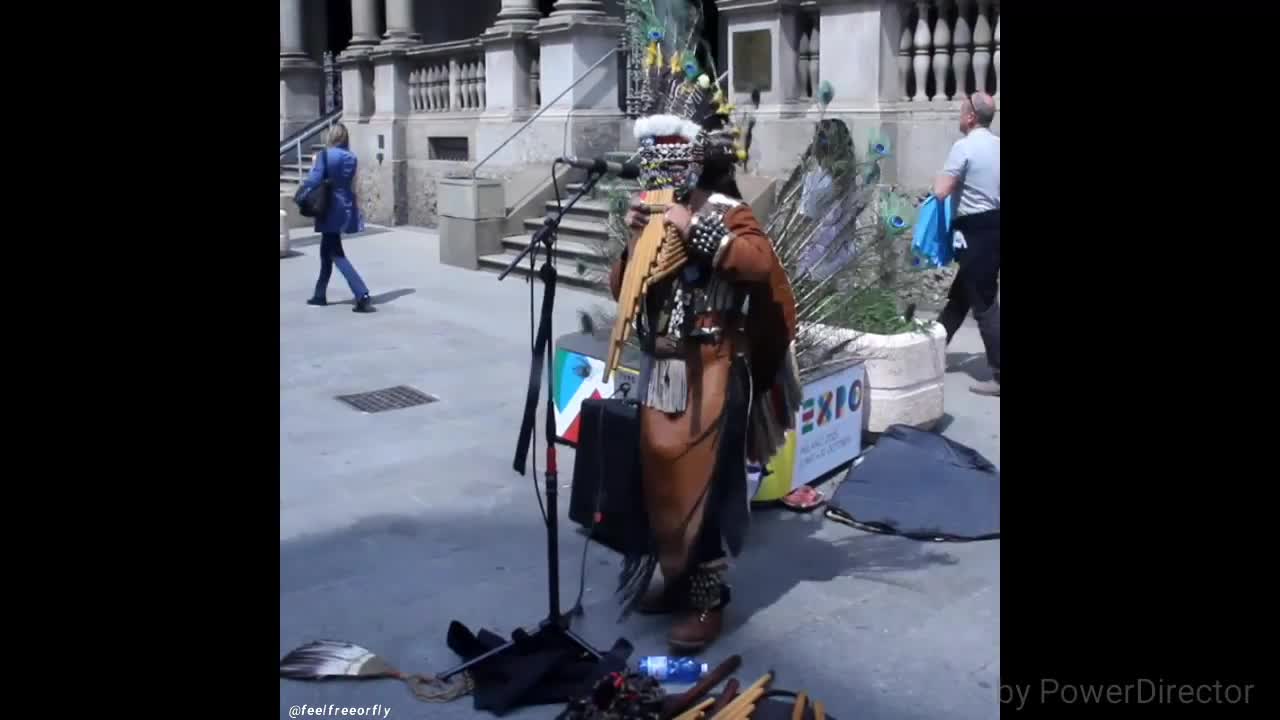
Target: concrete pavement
{"type": "Point", "coordinates": [393, 524]}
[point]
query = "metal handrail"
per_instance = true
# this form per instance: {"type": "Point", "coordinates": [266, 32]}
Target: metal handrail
{"type": "Point", "coordinates": [545, 106]}
{"type": "Point", "coordinates": [309, 131]}
{"type": "Point", "coordinates": [295, 141]}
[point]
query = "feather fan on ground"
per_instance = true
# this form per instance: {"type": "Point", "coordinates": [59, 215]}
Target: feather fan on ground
{"type": "Point", "coordinates": [330, 659]}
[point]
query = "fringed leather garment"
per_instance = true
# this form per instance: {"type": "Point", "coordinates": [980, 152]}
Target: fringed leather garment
{"type": "Point", "coordinates": [718, 386]}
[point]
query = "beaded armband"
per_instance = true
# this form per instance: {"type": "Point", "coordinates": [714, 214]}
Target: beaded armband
{"type": "Point", "coordinates": [708, 233]}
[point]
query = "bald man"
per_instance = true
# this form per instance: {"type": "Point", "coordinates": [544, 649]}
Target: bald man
{"type": "Point", "coordinates": [972, 174]}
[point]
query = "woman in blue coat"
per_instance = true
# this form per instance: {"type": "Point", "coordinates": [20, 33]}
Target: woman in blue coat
{"type": "Point", "coordinates": [342, 216]}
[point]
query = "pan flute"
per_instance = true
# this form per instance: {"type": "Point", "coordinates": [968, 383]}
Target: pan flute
{"type": "Point", "coordinates": [658, 253]}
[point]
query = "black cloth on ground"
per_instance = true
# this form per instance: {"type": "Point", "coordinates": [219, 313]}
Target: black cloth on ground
{"type": "Point", "coordinates": [535, 672]}
{"type": "Point", "coordinates": [923, 486]}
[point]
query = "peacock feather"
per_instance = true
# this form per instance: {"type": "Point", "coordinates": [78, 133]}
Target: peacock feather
{"type": "Point", "coordinates": [834, 228]}
{"type": "Point", "coordinates": [678, 68]}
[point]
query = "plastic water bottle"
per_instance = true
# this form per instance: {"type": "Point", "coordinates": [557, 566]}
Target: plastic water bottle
{"type": "Point", "coordinates": [673, 669]}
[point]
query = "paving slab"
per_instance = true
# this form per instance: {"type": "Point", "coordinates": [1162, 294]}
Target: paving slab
{"type": "Point", "coordinates": [393, 524]}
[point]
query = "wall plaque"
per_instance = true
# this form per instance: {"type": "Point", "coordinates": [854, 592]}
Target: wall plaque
{"type": "Point", "coordinates": [752, 61]}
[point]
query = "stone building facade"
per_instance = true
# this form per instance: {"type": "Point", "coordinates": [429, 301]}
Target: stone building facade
{"type": "Point", "coordinates": [432, 88]}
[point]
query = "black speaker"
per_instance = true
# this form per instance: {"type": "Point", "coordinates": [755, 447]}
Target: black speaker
{"type": "Point", "coordinates": [606, 468]}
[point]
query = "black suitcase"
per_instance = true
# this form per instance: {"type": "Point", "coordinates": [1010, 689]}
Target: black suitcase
{"type": "Point", "coordinates": [606, 468]}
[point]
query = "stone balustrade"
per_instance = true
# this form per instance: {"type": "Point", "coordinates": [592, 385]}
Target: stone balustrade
{"type": "Point", "coordinates": [807, 57]}
{"type": "Point", "coordinates": [447, 78]}
{"type": "Point", "coordinates": [535, 75]}
{"type": "Point", "coordinates": [948, 49]}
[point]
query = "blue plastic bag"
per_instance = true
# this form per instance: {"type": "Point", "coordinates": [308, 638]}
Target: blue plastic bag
{"type": "Point", "coordinates": [931, 243]}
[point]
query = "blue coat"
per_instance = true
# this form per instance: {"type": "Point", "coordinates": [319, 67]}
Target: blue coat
{"type": "Point", "coordinates": [931, 241]}
{"type": "Point", "coordinates": [343, 215]}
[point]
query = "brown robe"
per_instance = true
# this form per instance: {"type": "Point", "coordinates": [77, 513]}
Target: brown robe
{"type": "Point", "coordinates": [678, 451]}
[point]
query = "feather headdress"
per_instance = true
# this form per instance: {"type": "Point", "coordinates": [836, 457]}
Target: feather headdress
{"type": "Point", "coordinates": [327, 659]}
{"type": "Point", "coordinates": [684, 117]}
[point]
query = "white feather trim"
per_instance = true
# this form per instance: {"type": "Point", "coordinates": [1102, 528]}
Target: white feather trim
{"type": "Point", "coordinates": [659, 125]}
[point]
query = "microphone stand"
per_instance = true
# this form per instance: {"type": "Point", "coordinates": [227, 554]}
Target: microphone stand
{"type": "Point", "coordinates": [554, 629]}
{"type": "Point", "coordinates": [545, 235]}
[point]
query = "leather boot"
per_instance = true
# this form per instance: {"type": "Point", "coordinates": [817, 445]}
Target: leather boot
{"type": "Point", "coordinates": [695, 630]}
{"type": "Point", "coordinates": [699, 624]}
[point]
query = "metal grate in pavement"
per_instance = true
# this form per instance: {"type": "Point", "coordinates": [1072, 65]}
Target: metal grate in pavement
{"type": "Point", "coordinates": [392, 398]}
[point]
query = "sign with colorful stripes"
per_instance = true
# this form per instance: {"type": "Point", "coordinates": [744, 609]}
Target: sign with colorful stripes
{"type": "Point", "coordinates": [829, 423]}
{"type": "Point", "coordinates": [579, 377]}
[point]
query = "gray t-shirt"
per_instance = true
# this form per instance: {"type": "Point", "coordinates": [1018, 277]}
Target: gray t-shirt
{"type": "Point", "coordinates": [975, 162]}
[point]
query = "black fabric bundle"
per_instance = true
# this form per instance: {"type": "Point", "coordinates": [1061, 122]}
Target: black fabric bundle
{"type": "Point", "coordinates": [923, 486]}
{"type": "Point", "coordinates": [537, 671]}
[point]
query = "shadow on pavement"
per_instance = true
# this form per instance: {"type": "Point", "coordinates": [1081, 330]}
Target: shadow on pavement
{"type": "Point", "coordinates": [393, 583]}
{"type": "Point", "coordinates": [972, 364]}
{"type": "Point", "coordinates": [380, 298]}
{"type": "Point", "coordinates": [787, 551]}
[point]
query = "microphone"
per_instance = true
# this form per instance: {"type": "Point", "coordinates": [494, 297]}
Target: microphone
{"type": "Point", "coordinates": [600, 166]}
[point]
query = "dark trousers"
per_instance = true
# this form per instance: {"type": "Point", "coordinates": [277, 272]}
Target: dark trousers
{"type": "Point", "coordinates": [976, 284]}
{"type": "Point", "coordinates": [331, 254]}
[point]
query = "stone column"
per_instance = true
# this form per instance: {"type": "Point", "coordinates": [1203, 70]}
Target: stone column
{"type": "Point", "coordinates": [576, 36]}
{"type": "Point", "coordinates": [860, 45]}
{"type": "Point", "coordinates": [384, 164]}
{"type": "Point", "coordinates": [575, 7]}
{"type": "Point", "coordinates": [747, 19]}
{"type": "Point", "coordinates": [301, 79]}
{"type": "Point", "coordinates": [364, 26]}
{"type": "Point", "coordinates": [507, 58]}
{"type": "Point", "coordinates": [293, 45]}
{"type": "Point", "coordinates": [519, 13]}
{"type": "Point", "coordinates": [401, 29]}
{"type": "Point", "coordinates": [573, 38]}
{"type": "Point", "coordinates": [357, 87]}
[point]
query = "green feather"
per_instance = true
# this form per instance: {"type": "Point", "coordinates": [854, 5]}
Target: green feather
{"type": "Point", "coordinates": [826, 93]}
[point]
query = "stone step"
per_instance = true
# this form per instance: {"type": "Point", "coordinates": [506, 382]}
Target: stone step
{"type": "Point", "coordinates": [593, 279]}
{"type": "Point", "coordinates": [574, 229]}
{"type": "Point", "coordinates": [602, 189]}
{"type": "Point", "coordinates": [566, 249]}
{"type": "Point", "coordinates": [292, 163]}
{"type": "Point", "coordinates": [587, 209]}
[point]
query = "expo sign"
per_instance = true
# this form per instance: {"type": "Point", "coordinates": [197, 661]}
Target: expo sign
{"type": "Point", "coordinates": [829, 406]}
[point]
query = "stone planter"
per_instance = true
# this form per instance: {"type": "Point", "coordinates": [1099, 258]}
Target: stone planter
{"type": "Point", "coordinates": [905, 376]}
{"type": "Point", "coordinates": [284, 234]}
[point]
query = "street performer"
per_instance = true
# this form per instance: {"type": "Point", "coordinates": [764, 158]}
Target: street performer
{"type": "Point", "coordinates": [718, 385]}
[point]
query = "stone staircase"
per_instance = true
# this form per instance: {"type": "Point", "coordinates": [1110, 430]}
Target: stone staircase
{"type": "Point", "coordinates": [583, 234]}
{"type": "Point", "coordinates": [290, 178]}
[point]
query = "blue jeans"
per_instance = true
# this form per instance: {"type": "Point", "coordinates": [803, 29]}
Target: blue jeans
{"type": "Point", "coordinates": [331, 254]}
